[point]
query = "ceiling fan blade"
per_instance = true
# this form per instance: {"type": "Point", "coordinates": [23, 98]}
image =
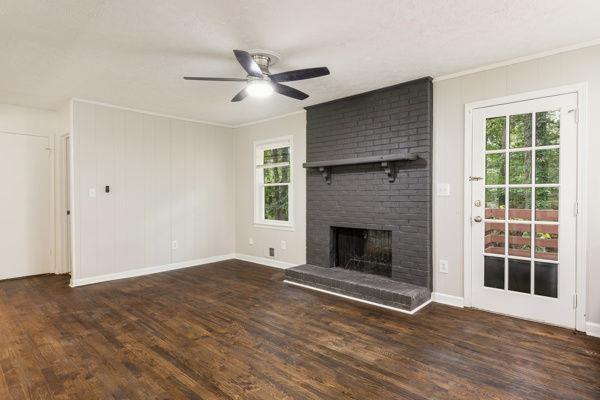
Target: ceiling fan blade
{"type": "Point", "coordinates": [240, 96]}
{"type": "Point", "coordinates": [203, 78]}
{"type": "Point", "coordinates": [249, 65]}
{"type": "Point", "coordinates": [289, 91]}
{"type": "Point", "coordinates": [300, 74]}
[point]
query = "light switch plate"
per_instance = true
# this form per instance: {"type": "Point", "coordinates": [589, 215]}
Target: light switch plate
{"type": "Point", "coordinates": [92, 192]}
{"type": "Point", "coordinates": [444, 266]}
{"type": "Point", "coordinates": [443, 189]}
{"type": "Point", "coordinates": [175, 245]}
{"type": "Point", "coordinates": [283, 244]}
{"type": "Point", "coordinates": [251, 241]}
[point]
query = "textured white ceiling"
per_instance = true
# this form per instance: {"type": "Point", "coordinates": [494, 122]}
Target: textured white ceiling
{"type": "Point", "coordinates": [133, 53]}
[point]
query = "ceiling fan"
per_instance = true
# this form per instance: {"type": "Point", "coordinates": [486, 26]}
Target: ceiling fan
{"type": "Point", "coordinates": [260, 81]}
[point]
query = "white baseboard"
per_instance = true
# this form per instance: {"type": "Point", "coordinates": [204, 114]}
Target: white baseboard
{"type": "Point", "coordinates": [265, 261]}
{"type": "Point", "coordinates": [357, 299]}
{"type": "Point", "coordinates": [592, 329]}
{"type": "Point", "coordinates": [149, 270]}
{"type": "Point", "coordinates": [448, 299]}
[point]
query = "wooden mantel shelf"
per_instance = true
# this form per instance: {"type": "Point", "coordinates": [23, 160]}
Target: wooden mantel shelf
{"type": "Point", "coordinates": [386, 161]}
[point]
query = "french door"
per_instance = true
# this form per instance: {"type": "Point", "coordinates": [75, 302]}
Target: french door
{"type": "Point", "coordinates": [523, 209]}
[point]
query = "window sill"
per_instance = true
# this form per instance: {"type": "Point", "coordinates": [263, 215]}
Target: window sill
{"type": "Point", "coordinates": [280, 227]}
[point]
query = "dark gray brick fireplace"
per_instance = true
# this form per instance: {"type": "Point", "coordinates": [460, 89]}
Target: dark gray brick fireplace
{"type": "Point", "coordinates": [389, 121]}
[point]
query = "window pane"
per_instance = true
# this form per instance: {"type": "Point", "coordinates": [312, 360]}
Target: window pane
{"type": "Point", "coordinates": [277, 174]}
{"type": "Point", "coordinates": [519, 131]}
{"type": "Point", "coordinates": [493, 272]}
{"type": "Point", "coordinates": [519, 240]}
{"type": "Point", "coordinates": [546, 279]}
{"type": "Point", "coordinates": [546, 204]}
{"type": "Point", "coordinates": [494, 133]}
{"type": "Point", "coordinates": [494, 238]}
{"type": "Point", "coordinates": [546, 166]}
{"type": "Point", "coordinates": [494, 203]}
{"type": "Point", "coordinates": [520, 167]}
{"type": "Point", "coordinates": [494, 169]}
{"type": "Point", "coordinates": [519, 276]}
{"type": "Point", "coordinates": [276, 203]}
{"type": "Point", "coordinates": [278, 155]}
{"type": "Point", "coordinates": [546, 242]}
{"type": "Point", "coordinates": [547, 128]}
{"type": "Point", "coordinates": [519, 204]}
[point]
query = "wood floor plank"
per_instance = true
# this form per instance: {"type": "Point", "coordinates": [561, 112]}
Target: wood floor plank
{"type": "Point", "coordinates": [234, 330]}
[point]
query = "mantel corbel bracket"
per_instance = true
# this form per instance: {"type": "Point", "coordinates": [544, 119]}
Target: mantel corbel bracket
{"type": "Point", "coordinates": [326, 174]}
{"type": "Point", "coordinates": [390, 169]}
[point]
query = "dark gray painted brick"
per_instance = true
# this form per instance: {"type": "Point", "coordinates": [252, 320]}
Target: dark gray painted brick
{"type": "Point", "coordinates": [384, 121]}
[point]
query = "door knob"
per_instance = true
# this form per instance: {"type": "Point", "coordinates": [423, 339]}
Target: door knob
{"type": "Point", "coordinates": [477, 219]}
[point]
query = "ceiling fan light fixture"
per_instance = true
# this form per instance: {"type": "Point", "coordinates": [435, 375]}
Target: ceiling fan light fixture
{"type": "Point", "coordinates": [259, 88]}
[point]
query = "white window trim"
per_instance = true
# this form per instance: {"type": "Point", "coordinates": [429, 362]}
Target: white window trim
{"type": "Point", "coordinates": [259, 221]}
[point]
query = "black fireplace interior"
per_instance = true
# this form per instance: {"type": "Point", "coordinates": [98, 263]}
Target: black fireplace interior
{"type": "Point", "coordinates": [364, 250]}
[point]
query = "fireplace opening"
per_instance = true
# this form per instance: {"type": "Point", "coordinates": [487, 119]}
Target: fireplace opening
{"type": "Point", "coordinates": [365, 250]}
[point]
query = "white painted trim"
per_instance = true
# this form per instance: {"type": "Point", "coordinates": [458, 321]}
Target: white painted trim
{"type": "Point", "coordinates": [592, 329]}
{"type": "Point", "coordinates": [72, 190]}
{"type": "Point", "coordinates": [198, 121]}
{"type": "Point", "coordinates": [98, 103]}
{"type": "Point", "coordinates": [260, 121]}
{"type": "Point", "coordinates": [581, 89]}
{"type": "Point", "coordinates": [447, 299]}
{"type": "Point", "coordinates": [359, 300]}
{"type": "Point", "coordinates": [149, 270]}
{"type": "Point", "coordinates": [518, 60]}
{"type": "Point", "coordinates": [264, 261]}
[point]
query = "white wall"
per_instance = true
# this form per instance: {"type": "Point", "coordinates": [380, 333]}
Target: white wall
{"type": "Point", "coordinates": [169, 180]}
{"type": "Point", "coordinates": [26, 120]}
{"type": "Point", "coordinates": [450, 97]}
{"type": "Point", "coordinates": [265, 237]}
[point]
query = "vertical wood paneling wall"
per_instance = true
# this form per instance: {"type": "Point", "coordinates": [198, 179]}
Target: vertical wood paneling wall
{"type": "Point", "coordinates": [169, 180]}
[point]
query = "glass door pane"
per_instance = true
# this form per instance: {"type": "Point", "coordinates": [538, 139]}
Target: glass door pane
{"type": "Point", "coordinates": [522, 159]}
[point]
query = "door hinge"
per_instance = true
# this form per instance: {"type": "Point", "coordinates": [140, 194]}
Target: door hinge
{"type": "Point", "coordinates": [575, 112]}
{"type": "Point", "coordinates": [575, 301]}
{"type": "Point", "coordinates": [576, 208]}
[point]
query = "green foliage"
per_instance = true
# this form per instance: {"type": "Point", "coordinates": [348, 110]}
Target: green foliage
{"type": "Point", "coordinates": [495, 128]}
{"type": "Point", "coordinates": [495, 169]}
{"type": "Point", "coordinates": [547, 166]}
{"type": "Point", "coordinates": [520, 167]}
{"type": "Point", "coordinates": [278, 155]}
{"type": "Point", "coordinates": [276, 197]}
{"type": "Point", "coordinates": [547, 128]}
{"type": "Point", "coordinates": [276, 203]}
{"type": "Point", "coordinates": [519, 131]}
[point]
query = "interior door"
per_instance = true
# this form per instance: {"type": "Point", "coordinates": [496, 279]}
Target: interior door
{"type": "Point", "coordinates": [25, 174]}
{"type": "Point", "coordinates": [523, 213]}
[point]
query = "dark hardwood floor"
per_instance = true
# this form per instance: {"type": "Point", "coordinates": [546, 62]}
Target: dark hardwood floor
{"type": "Point", "coordinates": [235, 330]}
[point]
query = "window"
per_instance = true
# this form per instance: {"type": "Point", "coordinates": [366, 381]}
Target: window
{"type": "Point", "coordinates": [273, 182]}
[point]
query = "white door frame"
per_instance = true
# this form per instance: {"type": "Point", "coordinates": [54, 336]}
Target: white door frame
{"type": "Point", "coordinates": [581, 89]}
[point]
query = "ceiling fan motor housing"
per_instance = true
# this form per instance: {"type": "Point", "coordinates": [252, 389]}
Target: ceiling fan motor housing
{"type": "Point", "coordinates": [264, 59]}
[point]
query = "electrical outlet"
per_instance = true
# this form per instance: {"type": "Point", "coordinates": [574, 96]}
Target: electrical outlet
{"type": "Point", "coordinates": [92, 192]}
{"type": "Point", "coordinates": [174, 245]}
{"type": "Point", "coordinates": [251, 241]}
{"type": "Point", "coordinates": [444, 266]}
{"type": "Point", "coordinates": [443, 189]}
{"type": "Point", "coordinates": [283, 245]}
